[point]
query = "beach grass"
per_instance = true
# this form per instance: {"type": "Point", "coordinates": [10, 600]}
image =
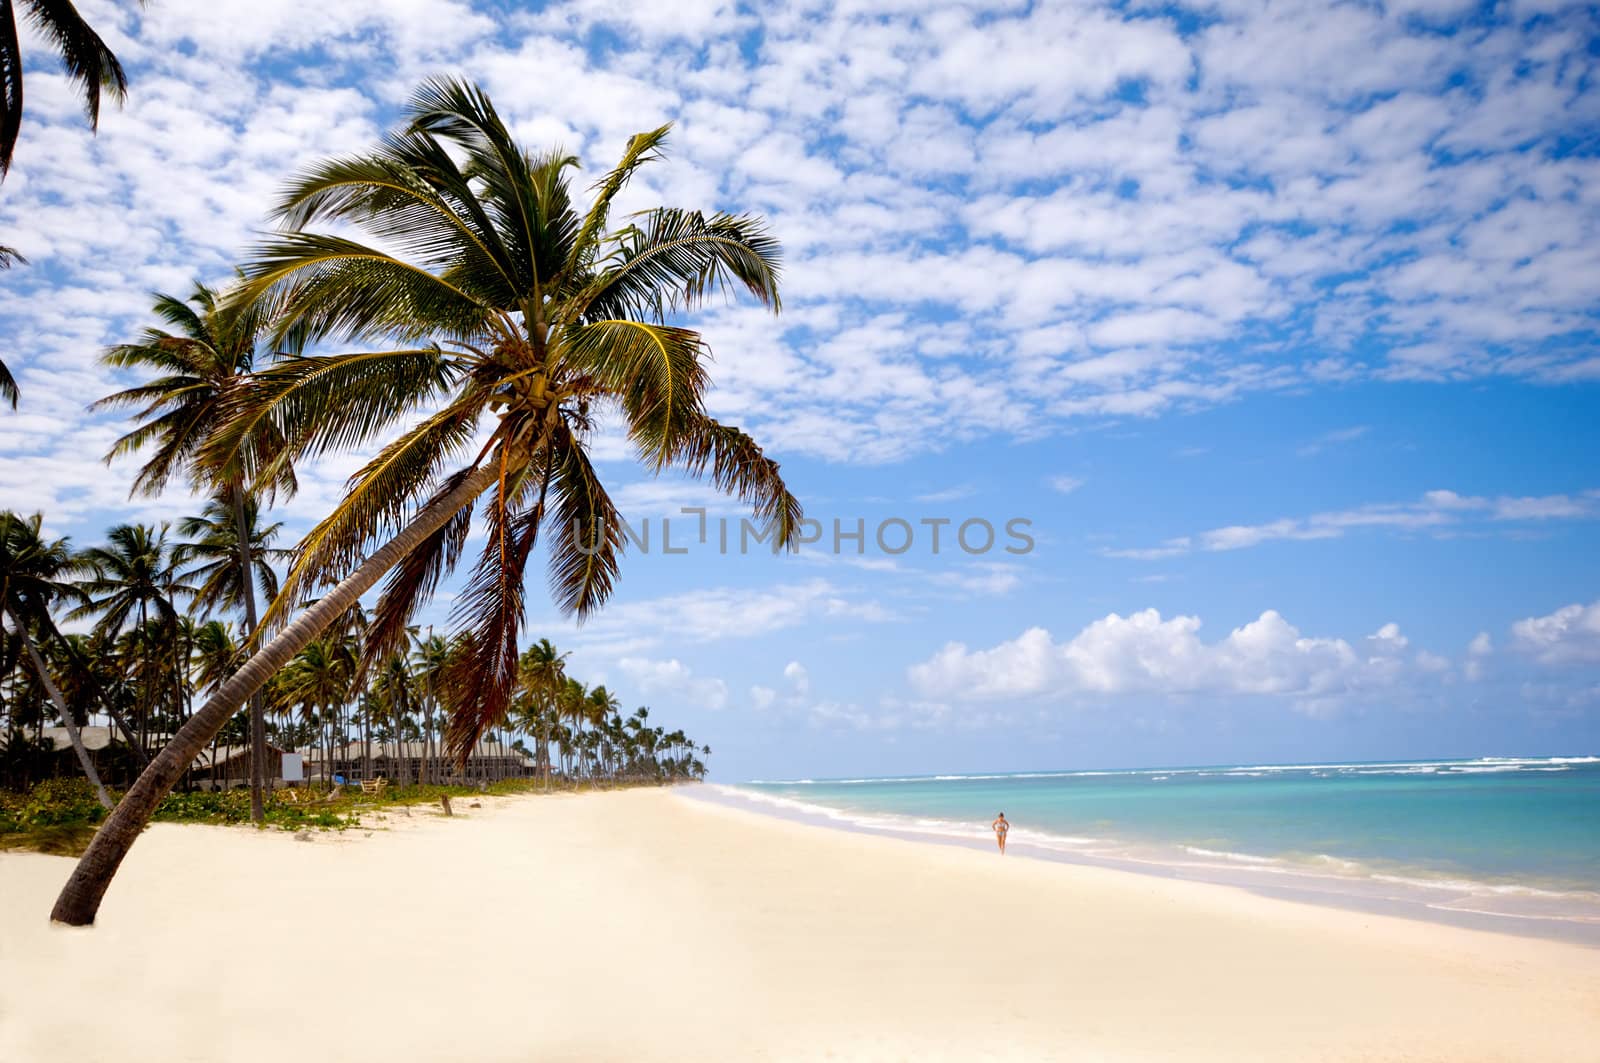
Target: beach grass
{"type": "Point", "coordinates": [59, 816]}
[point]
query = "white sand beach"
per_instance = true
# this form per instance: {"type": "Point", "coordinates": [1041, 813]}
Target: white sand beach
{"type": "Point", "coordinates": [649, 925]}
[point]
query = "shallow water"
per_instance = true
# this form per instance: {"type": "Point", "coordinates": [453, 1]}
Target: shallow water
{"type": "Point", "coordinates": [1507, 842]}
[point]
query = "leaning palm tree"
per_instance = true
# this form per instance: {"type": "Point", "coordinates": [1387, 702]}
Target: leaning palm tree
{"type": "Point", "coordinates": [200, 367]}
{"type": "Point", "coordinates": [34, 575]}
{"type": "Point", "coordinates": [87, 59]}
{"type": "Point", "coordinates": [508, 320]}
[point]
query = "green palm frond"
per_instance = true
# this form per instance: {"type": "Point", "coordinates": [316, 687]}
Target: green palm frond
{"type": "Point", "coordinates": [736, 465]}
{"type": "Point", "coordinates": [656, 371]}
{"type": "Point", "coordinates": [669, 260]}
{"type": "Point", "coordinates": [412, 195]}
{"type": "Point", "coordinates": [642, 148]}
{"type": "Point", "coordinates": [8, 386]}
{"type": "Point", "coordinates": [87, 59]}
{"type": "Point", "coordinates": [378, 500]}
{"type": "Point", "coordinates": [588, 537]}
{"type": "Point", "coordinates": [320, 403]}
{"type": "Point", "coordinates": [335, 288]}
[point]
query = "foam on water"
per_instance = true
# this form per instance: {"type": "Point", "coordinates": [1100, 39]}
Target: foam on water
{"type": "Point", "coordinates": [1441, 835]}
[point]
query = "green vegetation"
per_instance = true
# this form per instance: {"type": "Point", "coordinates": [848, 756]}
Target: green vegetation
{"type": "Point", "coordinates": [59, 816]}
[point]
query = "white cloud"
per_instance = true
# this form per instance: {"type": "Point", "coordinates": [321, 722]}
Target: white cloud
{"type": "Point", "coordinates": [1065, 484]}
{"type": "Point", "coordinates": [1144, 653]}
{"type": "Point", "coordinates": [1570, 635]}
{"type": "Point", "coordinates": [1440, 510]}
{"type": "Point", "coordinates": [672, 678]}
{"type": "Point", "coordinates": [715, 614]}
{"type": "Point", "coordinates": [1162, 219]}
{"type": "Point", "coordinates": [799, 679]}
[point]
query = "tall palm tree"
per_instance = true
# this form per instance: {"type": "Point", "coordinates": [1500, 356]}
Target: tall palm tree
{"type": "Point", "coordinates": [543, 673]}
{"type": "Point", "coordinates": [87, 59]}
{"type": "Point", "coordinates": [319, 680]}
{"type": "Point", "coordinates": [430, 660]}
{"type": "Point", "coordinates": [201, 367]}
{"type": "Point", "coordinates": [211, 551]}
{"type": "Point", "coordinates": [34, 575]}
{"type": "Point", "coordinates": [8, 383]}
{"type": "Point", "coordinates": [130, 578]}
{"type": "Point", "coordinates": [134, 587]}
{"type": "Point", "coordinates": [395, 698]}
{"type": "Point", "coordinates": [514, 313]}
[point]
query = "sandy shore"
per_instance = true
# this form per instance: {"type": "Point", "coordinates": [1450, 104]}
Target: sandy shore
{"type": "Point", "coordinates": [648, 925]}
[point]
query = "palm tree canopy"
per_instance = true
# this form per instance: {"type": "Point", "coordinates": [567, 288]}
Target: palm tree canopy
{"type": "Point", "coordinates": [200, 366]}
{"type": "Point", "coordinates": [87, 60]}
{"type": "Point", "coordinates": [130, 578]}
{"type": "Point", "coordinates": [210, 555]}
{"type": "Point", "coordinates": [320, 676]}
{"type": "Point", "coordinates": [514, 319]}
{"type": "Point", "coordinates": [35, 572]}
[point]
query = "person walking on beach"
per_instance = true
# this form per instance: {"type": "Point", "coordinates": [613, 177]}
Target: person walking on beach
{"type": "Point", "coordinates": [1000, 827]}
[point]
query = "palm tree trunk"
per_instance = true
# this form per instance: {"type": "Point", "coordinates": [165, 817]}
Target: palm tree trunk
{"type": "Point", "coordinates": [66, 713]}
{"type": "Point", "coordinates": [100, 695]}
{"type": "Point", "coordinates": [544, 747]}
{"type": "Point", "coordinates": [80, 897]}
{"type": "Point", "coordinates": [258, 714]}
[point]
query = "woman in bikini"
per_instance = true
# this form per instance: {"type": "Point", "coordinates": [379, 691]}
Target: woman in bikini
{"type": "Point", "coordinates": [1000, 827]}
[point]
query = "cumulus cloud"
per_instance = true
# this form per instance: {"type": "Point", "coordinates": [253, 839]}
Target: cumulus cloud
{"type": "Point", "coordinates": [1570, 635]}
{"type": "Point", "coordinates": [672, 678]}
{"type": "Point", "coordinates": [1144, 653]}
{"type": "Point", "coordinates": [999, 218]}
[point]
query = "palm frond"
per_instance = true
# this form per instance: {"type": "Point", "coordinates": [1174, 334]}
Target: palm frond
{"type": "Point", "coordinates": [411, 194]}
{"type": "Point", "coordinates": [656, 371]}
{"type": "Point", "coordinates": [341, 289]}
{"type": "Point", "coordinates": [377, 502]}
{"type": "Point", "coordinates": [327, 402]}
{"type": "Point", "coordinates": [8, 386]}
{"type": "Point", "coordinates": [87, 59]}
{"type": "Point", "coordinates": [671, 259]}
{"type": "Point", "coordinates": [10, 86]}
{"type": "Point", "coordinates": [642, 148]}
{"type": "Point", "coordinates": [737, 465]}
{"type": "Point", "coordinates": [526, 197]}
{"type": "Point", "coordinates": [588, 538]}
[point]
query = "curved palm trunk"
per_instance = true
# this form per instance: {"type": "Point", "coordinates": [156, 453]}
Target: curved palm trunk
{"type": "Point", "coordinates": [258, 713]}
{"type": "Point", "coordinates": [106, 703]}
{"type": "Point", "coordinates": [80, 897]}
{"type": "Point", "coordinates": [66, 714]}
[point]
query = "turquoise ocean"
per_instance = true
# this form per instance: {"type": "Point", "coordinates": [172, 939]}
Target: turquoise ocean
{"type": "Point", "coordinates": [1506, 842]}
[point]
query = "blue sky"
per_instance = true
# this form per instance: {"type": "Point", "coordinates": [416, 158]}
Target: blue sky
{"type": "Point", "coordinates": [1277, 321]}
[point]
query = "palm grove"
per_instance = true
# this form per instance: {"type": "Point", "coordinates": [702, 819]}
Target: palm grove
{"type": "Point", "coordinates": [485, 323]}
{"type": "Point", "coordinates": [148, 656]}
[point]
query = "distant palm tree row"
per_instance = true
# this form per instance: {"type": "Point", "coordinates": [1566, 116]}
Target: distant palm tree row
{"type": "Point", "coordinates": [155, 645]}
{"type": "Point", "coordinates": [486, 323]}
